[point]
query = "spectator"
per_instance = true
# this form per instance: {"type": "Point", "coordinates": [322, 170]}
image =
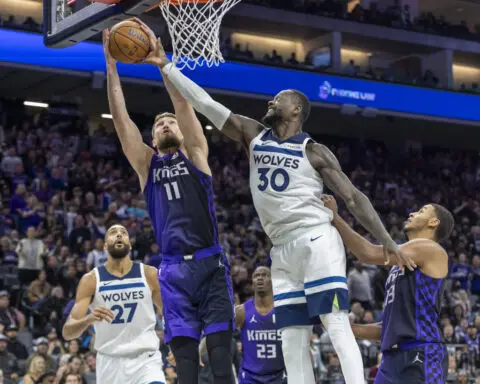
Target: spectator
{"type": "Point", "coordinates": [8, 362]}
{"type": "Point", "coordinates": [71, 378]}
{"type": "Point", "coordinates": [90, 374]}
{"type": "Point", "coordinates": [461, 271]}
{"type": "Point", "coordinates": [8, 315]}
{"type": "Point", "coordinates": [15, 347]}
{"type": "Point", "coordinates": [47, 378]}
{"type": "Point", "coordinates": [98, 256]}
{"type": "Point", "coordinates": [79, 234]}
{"type": "Point", "coordinates": [30, 253]}
{"type": "Point", "coordinates": [35, 370]}
{"type": "Point", "coordinates": [10, 161]}
{"type": "Point", "coordinates": [41, 345]}
{"type": "Point", "coordinates": [38, 291]}
{"type": "Point", "coordinates": [359, 286]}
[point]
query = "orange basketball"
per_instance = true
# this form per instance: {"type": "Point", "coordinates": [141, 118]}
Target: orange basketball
{"type": "Point", "coordinates": [128, 42]}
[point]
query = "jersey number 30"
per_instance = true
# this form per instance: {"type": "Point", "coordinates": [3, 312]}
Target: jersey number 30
{"type": "Point", "coordinates": [266, 351]}
{"type": "Point", "coordinates": [119, 319]}
{"type": "Point", "coordinates": [278, 179]}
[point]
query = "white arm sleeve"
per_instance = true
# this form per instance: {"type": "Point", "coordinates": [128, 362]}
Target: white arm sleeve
{"type": "Point", "coordinates": [201, 101]}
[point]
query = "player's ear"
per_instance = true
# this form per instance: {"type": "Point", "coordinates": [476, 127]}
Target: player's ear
{"type": "Point", "coordinates": [433, 222]}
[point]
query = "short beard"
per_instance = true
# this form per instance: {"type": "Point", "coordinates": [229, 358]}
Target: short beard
{"type": "Point", "coordinates": [271, 120]}
{"type": "Point", "coordinates": [168, 142]}
{"type": "Point", "coordinates": [118, 253]}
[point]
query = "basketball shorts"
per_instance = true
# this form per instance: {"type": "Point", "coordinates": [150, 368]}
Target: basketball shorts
{"type": "Point", "coordinates": [197, 295]}
{"type": "Point", "coordinates": [309, 277]}
{"type": "Point", "coordinates": [245, 377]}
{"type": "Point", "coordinates": [146, 368]}
{"type": "Point", "coordinates": [422, 365]}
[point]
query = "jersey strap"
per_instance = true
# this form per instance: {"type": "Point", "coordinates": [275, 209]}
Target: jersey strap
{"type": "Point", "coordinates": [198, 255]}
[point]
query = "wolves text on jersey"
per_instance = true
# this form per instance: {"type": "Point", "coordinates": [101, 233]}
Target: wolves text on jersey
{"type": "Point", "coordinates": [390, 284]}
{"type": "Point", "coordinates": [276, 160]}
{"type": "Point", "coordinates": [123, 296]}
{"type": "Point", "coordinates": [171, 172]}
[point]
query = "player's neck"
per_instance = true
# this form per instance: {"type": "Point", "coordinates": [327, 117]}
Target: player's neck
{"type": "Point", "coordinates": [172, 150]}
{"type": "Point", "coordinates": [120, 267]}
{"type": "Point", "coordinates": [263, 302]}
{"type": "Point", "coordinates": [421, 234]}
{"type": "Point", "coordinates": [285, 130]}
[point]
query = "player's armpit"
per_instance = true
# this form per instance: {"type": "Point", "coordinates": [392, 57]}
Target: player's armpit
{"type": "Point", "coordinates": [242, 129]}
{"type": "Point", "coordinates": [151, 274]}
{"type": "Point", "coordinates": [239, 316]}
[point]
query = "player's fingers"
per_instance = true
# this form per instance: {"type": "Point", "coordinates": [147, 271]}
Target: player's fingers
{"type": "Point", "coordinates": [105, 312]}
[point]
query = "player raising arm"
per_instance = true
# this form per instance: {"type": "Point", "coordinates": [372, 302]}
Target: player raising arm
{"type": "Point", "coordinates": [178, 189]}
{"type": "Point", "coordinates": [410, 334]}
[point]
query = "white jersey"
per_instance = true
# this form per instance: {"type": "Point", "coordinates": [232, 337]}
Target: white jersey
{"type": "Point", "coordinates": [285, 187]}
{"type": "Point", "coordinates": [132, 330]}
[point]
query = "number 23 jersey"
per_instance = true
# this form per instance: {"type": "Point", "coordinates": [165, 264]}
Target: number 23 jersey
{"type": "Point", "coordinates": [132, 330]}
{"type": "Point", "coordinates": [285, 187]}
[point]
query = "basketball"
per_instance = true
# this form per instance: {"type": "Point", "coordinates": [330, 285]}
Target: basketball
{"type": "Point", "coordinates": [128, 42]}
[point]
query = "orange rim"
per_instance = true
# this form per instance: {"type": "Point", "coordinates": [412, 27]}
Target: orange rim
{"type": "Point", "coordinates": [178, 2]}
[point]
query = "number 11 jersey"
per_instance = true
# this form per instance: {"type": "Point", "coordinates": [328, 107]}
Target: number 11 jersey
{"type": "Point", "coordinates": [132, 331]}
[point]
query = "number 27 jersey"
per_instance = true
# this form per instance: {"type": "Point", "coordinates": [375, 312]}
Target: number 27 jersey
{"type": "Point", "coordinates": [285, 187]}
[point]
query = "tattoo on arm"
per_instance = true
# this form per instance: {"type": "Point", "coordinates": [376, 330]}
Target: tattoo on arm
{"type": "Point", "coordinates": [325, 162]}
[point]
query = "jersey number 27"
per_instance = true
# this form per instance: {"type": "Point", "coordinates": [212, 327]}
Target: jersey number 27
{"type": "Point", "coordinates": [119, 318]}
{"type": "Point", "coordinates": [278, 179]}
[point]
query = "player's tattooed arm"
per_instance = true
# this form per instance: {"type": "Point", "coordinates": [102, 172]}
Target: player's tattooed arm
{"type": "Point", "coordinates": [327, 165]}
{"type": "Point", "coordinates": [151, 274]}
{"type": "Point", "coordinates": [368, 331]}
{"type": "Point", "coordinates": [79, 321]}
{"type": "Point", "coordinates": [239, 316]}
{"type": "Point", "coordinates": [137, 152]}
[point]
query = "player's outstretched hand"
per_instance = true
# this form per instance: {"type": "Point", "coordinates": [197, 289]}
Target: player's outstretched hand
{"type": "Point", "coordinates": [393, 251]}
{"type": "Point", "coordinates": [102, 314]}
{"type": "Point", "coordinates": [157, 55]}
{"type": "Point", "coordinates": [330, 203]}
{"type": "Point", "coordinates": [108, 57]}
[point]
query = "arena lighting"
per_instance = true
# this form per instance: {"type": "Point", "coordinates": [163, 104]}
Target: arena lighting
{"type": "Point", "coordinates": [35, 104]}
{"type": "Point", "coordinates": [208, 127]}
{"type": "Point", "coordinates": [106, 116]}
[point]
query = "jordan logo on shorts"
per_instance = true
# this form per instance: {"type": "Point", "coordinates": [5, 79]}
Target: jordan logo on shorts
{"type": "Point", "coordinates": [417, 359]}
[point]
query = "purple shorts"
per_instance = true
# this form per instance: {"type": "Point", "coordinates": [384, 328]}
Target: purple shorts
{"type": "Point", "coordinates": [197, 296]}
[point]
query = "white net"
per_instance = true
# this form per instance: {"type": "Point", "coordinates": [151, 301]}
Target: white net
{"type": "Point", "coordinates": [194, 27]}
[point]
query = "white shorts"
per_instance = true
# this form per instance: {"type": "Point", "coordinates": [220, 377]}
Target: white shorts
{"type": "Point", "coordinates": [309, 277]}
{"type": "Point", "coordinates": [146, 368]}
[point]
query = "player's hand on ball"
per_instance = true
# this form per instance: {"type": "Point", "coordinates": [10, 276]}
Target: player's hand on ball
{"type": "Point", "coordinates": [102, 314]}
{"type": "Point", "coordinates": [157, 55]}
{"type": "Point", "coordinates": [106, 50]}
{"type": "Point", "coordinates": [330, 203]}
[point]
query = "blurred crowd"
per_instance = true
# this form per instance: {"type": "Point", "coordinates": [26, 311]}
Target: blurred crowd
{"type": "Point", "coordinates": [64, 181]}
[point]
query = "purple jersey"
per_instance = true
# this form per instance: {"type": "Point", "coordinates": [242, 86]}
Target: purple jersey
{"type": "Point", "coordinates": [261, 343]}
{"type": "Point", "coordinates": [411, 309]}
{"type": "Point", "coordinates": [180, 204]}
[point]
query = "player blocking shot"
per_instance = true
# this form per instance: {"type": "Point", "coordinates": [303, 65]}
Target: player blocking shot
{"type": "Point", "coordinates": [194, 273]}
{"type": "Point", "coordinates": [287, 172]}
{"type": "Point", "coordinates": [410, 334]}
{"type": "Point", "coordinates": [121, 295]}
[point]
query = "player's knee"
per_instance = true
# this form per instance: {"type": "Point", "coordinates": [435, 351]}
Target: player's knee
{"type": "Point", "coordinates": [339, 330]}
{"type": "Point", "coordinates": [185, 348]}
{"type": "Point", "coordinates": [219, 347]}
{"type": "Point", "coordinates": [295, 340]}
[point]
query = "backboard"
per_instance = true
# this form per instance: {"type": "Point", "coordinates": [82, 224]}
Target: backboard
{"type": "Point", "coordinates": [68, 22]}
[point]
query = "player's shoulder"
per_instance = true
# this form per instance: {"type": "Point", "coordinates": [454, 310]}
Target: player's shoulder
{"type": "Point", "coordinates": [426, 249]}
{"type": "Point", "coordinates": [150, 272]}
{"type": "Point", "coordinates": [87, 284]}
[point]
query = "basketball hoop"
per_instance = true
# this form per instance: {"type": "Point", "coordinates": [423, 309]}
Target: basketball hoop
{"type": "Point", "coordinates": [194, 27]}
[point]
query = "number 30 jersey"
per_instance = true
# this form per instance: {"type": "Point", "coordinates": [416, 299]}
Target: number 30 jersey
{"type": "Point", "coordinates": [285, 187]}
{"type": "Point", "coordinates": [132, 330]}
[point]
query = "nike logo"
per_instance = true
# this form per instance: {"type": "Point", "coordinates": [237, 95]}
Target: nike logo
{"type": "Point", "coordinates": [107, 283]}
{"type": "Point", "coordinates": [151, 354]}
{"type": "Point", "coordinates": [315, 238]}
